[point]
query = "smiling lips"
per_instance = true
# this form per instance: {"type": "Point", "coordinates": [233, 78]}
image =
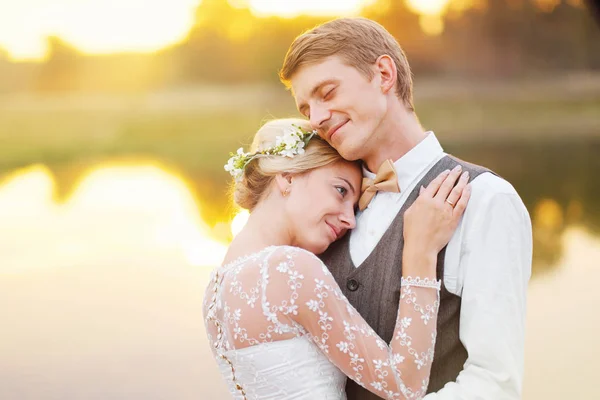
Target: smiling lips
{"type": "Point", "coordinates": [336, 231]}
{"type": "Point", "coordinates": [334, 129]}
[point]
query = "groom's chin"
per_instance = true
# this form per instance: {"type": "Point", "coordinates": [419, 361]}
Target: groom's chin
{"type": "Point", "coordinates": [348, 151]}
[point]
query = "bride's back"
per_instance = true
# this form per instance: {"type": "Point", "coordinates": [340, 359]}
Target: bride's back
{"type": "Point", "coordinates": [261, 353]}
{"type": "Point", "coordinates": [242, 292]}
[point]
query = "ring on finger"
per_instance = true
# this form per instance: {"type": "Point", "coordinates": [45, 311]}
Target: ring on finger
{"type": "Point", "coordinates": [449, 202]}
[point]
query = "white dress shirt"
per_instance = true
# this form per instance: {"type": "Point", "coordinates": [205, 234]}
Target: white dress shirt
{"type": "Point", "coordinates": [487, 264]}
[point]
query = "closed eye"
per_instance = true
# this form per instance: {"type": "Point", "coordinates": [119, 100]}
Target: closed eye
{"type": "Point", "coordinates": [329, 94]}
{"type": "Point", "coordinates": [304, 111]}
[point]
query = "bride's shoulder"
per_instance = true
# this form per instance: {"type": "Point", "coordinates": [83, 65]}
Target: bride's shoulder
{"type": "Point", "coordinates": [292, 253]}
{"type": "Point", "coordinates": [295, 257]}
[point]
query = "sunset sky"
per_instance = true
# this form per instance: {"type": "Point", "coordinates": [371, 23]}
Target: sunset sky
{"type": "Point", "coordinates": [107, 26]}
{"type": "Point", "coordinates": [94, 26]}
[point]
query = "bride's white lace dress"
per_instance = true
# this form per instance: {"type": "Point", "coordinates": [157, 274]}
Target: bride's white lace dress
{"type": "Point", "coordinates": [280, 328]}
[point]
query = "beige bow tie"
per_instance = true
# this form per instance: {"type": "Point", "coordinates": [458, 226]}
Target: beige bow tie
{"type": "Point", "coordinates": [385, 180]}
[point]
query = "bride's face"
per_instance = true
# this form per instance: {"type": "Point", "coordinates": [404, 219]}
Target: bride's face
{"type": "Point", "coordinates": [321, 204]}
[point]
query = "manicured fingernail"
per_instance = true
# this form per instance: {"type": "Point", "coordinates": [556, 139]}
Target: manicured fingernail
{"type": "Point", "coordinates": [465, 175]}
{"type": "Point", "coordinates": [446, 172]}
{"type": "Point", "coordinates": [421, 190]}
{"type": "Point", "coordinates": [457, 168]}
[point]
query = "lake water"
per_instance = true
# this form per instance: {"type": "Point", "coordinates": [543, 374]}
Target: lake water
{"type": "Point", "coordinates": [100, 295]}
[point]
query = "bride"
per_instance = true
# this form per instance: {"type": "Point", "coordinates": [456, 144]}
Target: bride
{"type": "Point", "coordinates": [278, 324]}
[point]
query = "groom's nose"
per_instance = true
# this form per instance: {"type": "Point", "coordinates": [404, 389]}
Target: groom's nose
{"type": "Point", "coordinates": [319, 115]}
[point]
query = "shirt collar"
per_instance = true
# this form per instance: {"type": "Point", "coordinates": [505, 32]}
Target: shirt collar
{"type": "Point", "coordinates": [409, 166]}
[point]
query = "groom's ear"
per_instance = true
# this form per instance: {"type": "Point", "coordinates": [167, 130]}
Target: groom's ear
{"type": "Point", "coordinates": [386, 68]}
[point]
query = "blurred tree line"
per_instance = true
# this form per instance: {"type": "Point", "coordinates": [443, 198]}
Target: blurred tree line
{"type": "Point", "coordinates": [229, 45]}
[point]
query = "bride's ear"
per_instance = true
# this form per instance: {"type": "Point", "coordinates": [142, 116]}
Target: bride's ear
{"type": "Point", "coordinates": [283, 182]}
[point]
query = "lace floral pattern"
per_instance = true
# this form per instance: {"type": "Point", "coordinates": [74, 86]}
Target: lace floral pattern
{"type": "Point", "coordinates": [285, 292]}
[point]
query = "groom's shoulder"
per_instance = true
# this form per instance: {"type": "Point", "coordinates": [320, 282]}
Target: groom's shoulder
{"type": "Point", "coordinates": [488, 185]}
{"type": "Point", "coordinates": [486, 179]}
{"type": "Point", "coordinates": [490, 191]}
{"type": "Point", "coordinates": [491, 185]}
{"type": "Point", "coordinates": [469, 166]}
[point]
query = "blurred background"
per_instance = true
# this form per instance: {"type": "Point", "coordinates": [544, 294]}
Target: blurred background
{"type": "Point", "coordinates": [116, 118]}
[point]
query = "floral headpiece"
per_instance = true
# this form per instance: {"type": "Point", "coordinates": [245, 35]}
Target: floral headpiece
{"type": "Point", "coordinates": [291, 144]}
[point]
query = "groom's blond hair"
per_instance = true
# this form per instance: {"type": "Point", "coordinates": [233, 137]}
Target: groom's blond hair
{"type": "Point", "coordinates": [358, 42]}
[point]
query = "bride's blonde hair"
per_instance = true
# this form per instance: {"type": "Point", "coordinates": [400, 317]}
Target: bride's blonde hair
{"type": "Point", "coordinates": [260, 172]}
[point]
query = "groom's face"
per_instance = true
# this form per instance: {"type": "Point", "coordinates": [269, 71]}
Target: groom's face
{"type": "Point", "coordinates": [342, 104]}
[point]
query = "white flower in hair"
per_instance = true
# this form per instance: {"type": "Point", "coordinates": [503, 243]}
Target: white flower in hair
{"type": "Point", "coordinates": [292, 143]}
{"type": "Point", "coordinates": [287, 153]}
{"type": "Point", "coordinates": [290, 138]}
{"type": "Point", "coordinates": [233, 165]}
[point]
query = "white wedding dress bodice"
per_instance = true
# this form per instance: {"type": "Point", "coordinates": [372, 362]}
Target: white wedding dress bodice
{"type": "Point", "coordinates": [280, 328]}
{"type": "Point", "coordinates": [286, 369]}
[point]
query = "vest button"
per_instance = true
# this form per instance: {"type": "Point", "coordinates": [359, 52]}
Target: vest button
{"type": "Point", "coordinates": [352, 285]}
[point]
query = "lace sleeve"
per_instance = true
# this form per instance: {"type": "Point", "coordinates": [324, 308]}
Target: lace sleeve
{"type": "Point", "coordinates": [302, 291]}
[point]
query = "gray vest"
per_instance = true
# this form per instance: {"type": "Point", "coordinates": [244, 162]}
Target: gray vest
{"type": "Point", "coordinates": [374, 289]}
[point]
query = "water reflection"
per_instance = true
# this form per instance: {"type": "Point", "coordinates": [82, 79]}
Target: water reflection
{"type": "Point", "coordinates": [563, 324]}
{"type": "Point", "coordinates": [115, 213]}
{"type": "Point", "coordinates": [548, 225]}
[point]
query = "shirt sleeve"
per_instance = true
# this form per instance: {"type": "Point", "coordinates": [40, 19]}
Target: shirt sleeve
{"type": "Point", "coordinates": [301, 291]}
{"type": "Point", "coordinates": [494, 267]}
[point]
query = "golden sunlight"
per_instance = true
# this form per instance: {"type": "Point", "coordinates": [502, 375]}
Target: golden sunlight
{"type": "Point", "coordinates": [239, 221]}
{"type": "Point", "coordinates": [117, 215]}
{"type": "Point", "coordinates": [431, 12]}
{"type": "Point", "coordinates": [428, 7]}
{"type": "Point", "coordinates": [159, 199]}
{"type": "Point", "coordinates": [547, 5]}
{"type": "Point", "coordinates": [548, 214]}
{"type": "Point", "coordinates": [94, 26]}
{"type": "Point", "coordinates": [112, 26]}
{"type": "Point", "coordinates": [291, 8]}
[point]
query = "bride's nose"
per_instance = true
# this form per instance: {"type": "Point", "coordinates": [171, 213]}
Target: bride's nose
{"type": "Point", "coordinates": [347, 218]}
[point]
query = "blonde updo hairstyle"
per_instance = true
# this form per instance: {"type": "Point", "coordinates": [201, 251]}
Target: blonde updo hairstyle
{"type": "Point", "coordinates": [260, 172]}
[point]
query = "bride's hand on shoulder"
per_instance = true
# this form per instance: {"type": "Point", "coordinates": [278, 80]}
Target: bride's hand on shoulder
{"type": "Point", "coordinates": [431, 220]}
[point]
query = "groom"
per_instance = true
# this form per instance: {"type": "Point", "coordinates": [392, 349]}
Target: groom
{"type": "Point", "coordinates": [352, 80]}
